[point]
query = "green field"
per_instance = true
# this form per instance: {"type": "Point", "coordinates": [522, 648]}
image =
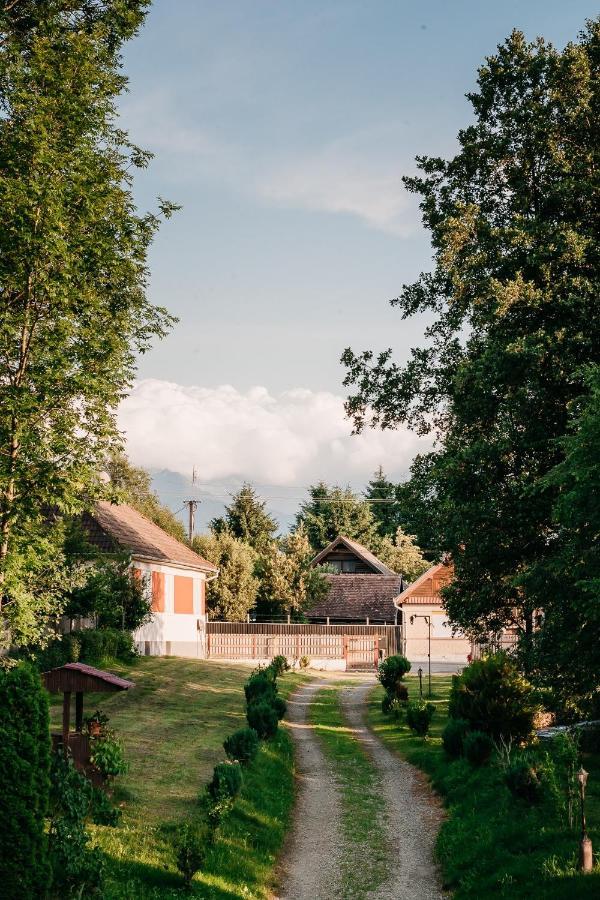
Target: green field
{"type": "Point", "coordinates": [173, 725]}
{"type": "Point", "coordinates": [492, 845]}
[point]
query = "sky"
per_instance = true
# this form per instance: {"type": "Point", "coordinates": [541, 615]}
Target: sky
{"type": "Point", "coordinates": [284, 129]}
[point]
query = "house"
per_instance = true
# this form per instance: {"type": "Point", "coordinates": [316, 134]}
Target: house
{"type": "Point", "coordinates": [174, 574]}
{"type": "Point", "coordinates": [362, 588]}
{"type": "Point", "coordinates": [421, 611]}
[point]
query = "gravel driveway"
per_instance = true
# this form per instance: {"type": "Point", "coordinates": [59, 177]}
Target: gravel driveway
{"type": "Point", "coordinates": [411, 814]}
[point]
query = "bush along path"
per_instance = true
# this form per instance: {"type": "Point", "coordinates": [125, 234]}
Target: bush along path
{"type": "Point", "coordinates": [365, 820]}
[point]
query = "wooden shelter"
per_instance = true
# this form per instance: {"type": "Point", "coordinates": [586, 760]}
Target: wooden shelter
{"type": "Point", "coordinates": [77, 678]}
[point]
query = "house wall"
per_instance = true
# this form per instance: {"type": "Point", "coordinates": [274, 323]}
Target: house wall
{"type": "Point", "coordinates": [444, 646]}
{"type": "Point", "coordinates": [178, 624]}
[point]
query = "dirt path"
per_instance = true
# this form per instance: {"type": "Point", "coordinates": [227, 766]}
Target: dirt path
{"type": "Point", "coordinates": [410, 815]}
{"type": "Point", "coordinates": [311, 858]}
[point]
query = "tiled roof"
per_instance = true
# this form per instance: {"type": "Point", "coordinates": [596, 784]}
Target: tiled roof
{"type": "Point", "coordinates": [113, 524]}
{"type": "Point", "coordinates": [356, 548]}
{"type": "Point", "coordinates": [360, 597]}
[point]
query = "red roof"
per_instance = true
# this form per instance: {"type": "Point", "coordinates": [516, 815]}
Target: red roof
{"type": "Point", "coordinates": [80, 677]}
{"type": "Point", "coordinates": [110, 523]}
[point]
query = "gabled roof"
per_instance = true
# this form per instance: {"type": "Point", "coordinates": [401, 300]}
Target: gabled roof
{"type": "Point", "coordinates": [358, 597]}
{"type": "Point", "coordinates": [367, 557]}
{"type": "Point", "coordinates": [111, 524]}
{"type": "Point", "coordinates": [79, 677]}
{"type": "Point", "coordinates": [426, 589]}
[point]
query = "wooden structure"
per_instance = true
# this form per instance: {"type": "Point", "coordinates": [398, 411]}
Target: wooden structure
{"type": "Point", "coordinates": [77, 678]}
{"type": "Point", "coordinates": [348, 557]}
{"type": "Point", "coordinates": [326, 646]}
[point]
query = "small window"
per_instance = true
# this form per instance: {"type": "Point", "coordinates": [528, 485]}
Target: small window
{"type": "Point", "coordinates": [348, 565]}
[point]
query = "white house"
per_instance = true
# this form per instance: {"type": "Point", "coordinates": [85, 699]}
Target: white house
{"type": "Point", "coordinates": [175, 575]}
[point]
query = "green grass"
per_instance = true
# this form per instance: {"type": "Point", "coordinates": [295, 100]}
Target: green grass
{"type": "Point", "coordinates": [492, 845]}
{"type": "Point", "coordinates": [360, 790]}
{"type": "Point", "coordinates": [173, 725]}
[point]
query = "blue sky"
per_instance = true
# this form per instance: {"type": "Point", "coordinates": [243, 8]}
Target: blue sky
{"type": "Point", "coordinates": [283, 129]}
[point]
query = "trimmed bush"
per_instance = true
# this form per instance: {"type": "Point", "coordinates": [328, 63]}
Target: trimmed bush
{"type": "Point", "coordinates": [242, 745]}
{"type": "Point", "coordinates": [478, 747]}
{"type": "Point", "coordinates": [226, 781]}
{"type": "Point", "coordinates": [260, 686]}
{"type": "Point", "coordinates": [453, 737]}
{"type": "Point", "coordinates": [391, 672]}
{"type": "Point", "coordinates": [279, 705]}
{"type": "Point", "coordinates": [492, 696]}
{"type": "Point", "coordinates": [262, 717]}
{"type": "Point", "coordinates": [24, 783]}
{"type": "Point", "coordinates": [524, 780]}
{"type": "Point", "coordinates": [279, 665]}
{"type": "Point", "coordinates": [419, 716]}
{"type": "Point", "coordinates": [190, 844]}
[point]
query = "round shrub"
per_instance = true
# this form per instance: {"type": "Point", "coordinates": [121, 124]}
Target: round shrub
{"type": "Point", "coordinates": [260, 686]}
{"type": "Point", "coordinates": [262, 716]}
{"type": "Point", "coordinates": [524, 780]}
{"type": "Point", "coordinates": [419, 716]}
{"type": "Point", "coordinates": [242, 745]}
{"type": "Point", "coordinates": [478, 747]}
{"type": "Point", "coordinates": [492, 696]}
{"type": "Point", "coordinates": [279, 665]}
{"type": "Point", "coordinates": [453, 737]}
{"type": "Point", "coordinates": [391, 672]}
{"type": "Point", "coordinates": [226, 781]}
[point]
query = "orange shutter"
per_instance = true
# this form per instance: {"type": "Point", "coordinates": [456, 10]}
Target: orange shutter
{"type": "Point", "coordinates": [202, 597]}
{"type": "Point", "coordinates": [158, 592]}
{"type": "Point", "coordinates": [184, 594]}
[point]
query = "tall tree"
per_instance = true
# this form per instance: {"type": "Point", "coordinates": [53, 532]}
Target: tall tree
{"type": "Point", "coordinates": [514, 222]}
{"type": "Point", "coordinates": [381, 493]}
{"type": "Point", "coordinates": [133, 485]}
{"type": "Point", "coordinates": [73, 256]}
{"type": "Point", "coordinates": [331, 511]}
{"type": "Point", "coordinates": [402, 555]}
{"type": "Point", "coordinates": [288, 582]}
{"type": "Point", "coordinates": [232, 595]}
{"type": "Point", "coordinates": [246, 518]}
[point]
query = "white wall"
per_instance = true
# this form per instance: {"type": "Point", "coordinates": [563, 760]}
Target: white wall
{"type": "Point", "coordinates": [170, 633]}
{"type": "Point", "coordinates": [445, 647]}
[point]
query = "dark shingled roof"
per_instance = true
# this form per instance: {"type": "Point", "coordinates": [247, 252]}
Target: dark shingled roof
{"type": "Point", "coordinates": [79, 676]}
{"type": "Point", "coordinates": [360, 597]}
{"type": "Point", "coordinates": [360, 551]}
{"type": "Point", "coordinates": [111, 526]}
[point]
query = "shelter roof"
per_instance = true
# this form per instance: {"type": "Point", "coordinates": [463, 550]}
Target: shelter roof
{"type": "Point", "coordinates": [80, 677]}
{"type": "Point", "coordinates": [362, 552]}
{"type": "Point", "coordinates": [110, 526]}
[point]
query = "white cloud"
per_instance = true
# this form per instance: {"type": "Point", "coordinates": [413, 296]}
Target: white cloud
{"type": "Point", "coordinates": [292, 438]}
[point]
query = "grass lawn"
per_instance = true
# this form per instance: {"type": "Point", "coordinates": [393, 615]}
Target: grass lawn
{"type": "Point", "coordinates": [360, 791]}
{"type": "Point", "coordinates": [173, 725]}
{"type": "Point", "coordinates": [492, 845]}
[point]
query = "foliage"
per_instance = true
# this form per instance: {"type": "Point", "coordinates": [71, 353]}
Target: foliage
{"type": "Point", "coordinates": [279, 665]}
{"type": "Point", "coordinates": [226, 781]}
{"type": "Point", "coordinates": [113, 595]}
{"type": "Point", "coordinates": [76, 867]}
{"type": "Point", "coordinates": [477, 747]}
{"type": "Point", "coordinates": [24, 767]}
{"type": "Point", "coordinates": [395, 704]}
{"type": "Point", "coordinates": [391, 671]}
{"type": "Point", "coordinates": [233, 594]}
{"type": "Point", "coordinates": [402, 555]}
{"type": "Point", "coordinates": [513, 297]}
{"type": "Point", "coordinates": [387, 514]}
{"type": "Point", "coordinates": [453, 737]}
{"type": "Point", "coordinates": [133, 485]}
{"type": "Point", "coordinates": [73, 267]}
{"type": "Point", "coordinates": [419, 716]}
{"type": "Point", "coordinates": [190, 844]}
{"type": "Point", "coordinates": [107, 754]}
{"type": "Point", "coordinates": [260, 686]}
{"type": "Point", "coordinates": [331, 511]}
{"type": "Point", "coordinates": [525, 778]}
{"type": "Point", "coordinates": [279, 705]}
{"type": "Point", "coordinates": [304, 662]}
{"type": "Point", "coordinates": [288, 582]}
{"type": "Point", "coordinates": [246, 519]}
{"type": "Point", "coordinates": [90, 645]}
{"type": "Point", "coordinates": [242, 745]}
{"type": "Point", "coordinates": [492, 696]}
{"type": "Point", "coordinates": [263, 718]}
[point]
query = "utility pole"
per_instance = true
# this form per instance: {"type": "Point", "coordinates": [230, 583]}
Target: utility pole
{"type": "Point", "coordinates": [191, 505]}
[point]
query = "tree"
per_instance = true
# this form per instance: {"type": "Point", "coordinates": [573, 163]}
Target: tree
{"type": "Point", "coordinates": [402, 555]}
{"type": "Point", "coordinates": [246, 518]}
{"type": "Point", "coordinates": [24, 783]}
{"type": "Point", "coordinates": [308, 585]}
{"type": "Point", "coordinates": [514, 222]}
{"type": "Point", "coordinates": [233, 594]}
{"type": "Point", "coordinates": [112, 594]}
{"type": "Point", "coordinates": [288, 583]}
{"type": "Point", "coordinates": [384, 508]}
{"type": "Point", "coordinates": [331, 511]}
{"type": "Point", "coordinates": [133, 485]}
{"type": "Point", "coordinates": [73, 258]}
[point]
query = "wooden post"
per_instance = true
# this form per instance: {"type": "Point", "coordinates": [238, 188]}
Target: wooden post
{"type": "Point", "coordinates": [66, 720]}
{"type": "Point", "coordinates": [79, 711]}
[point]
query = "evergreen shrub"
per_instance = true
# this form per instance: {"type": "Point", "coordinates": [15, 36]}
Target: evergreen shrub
{"type": "Point", "coordinates": [262, 717]}
{"type": "Point", "coordinates": [242, 745]}
{"type": "Point", "coordinates": [453, 737]}
{"type": "Point", "coordinates": [419, 716]}
{"type": "Point", "coordinates": [226, 782]}
{"type": "Point", "coordinates": [189, 843]}
{"type": "Point", "coordinates": [478, 747]}
{"type": "Point", "coordinates": [260, 686]}
{"type": "Point", "coordinates": [279, 665]}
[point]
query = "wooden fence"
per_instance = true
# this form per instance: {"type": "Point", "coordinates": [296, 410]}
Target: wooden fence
{"type": "Point", "coordinates": [358, 646]}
